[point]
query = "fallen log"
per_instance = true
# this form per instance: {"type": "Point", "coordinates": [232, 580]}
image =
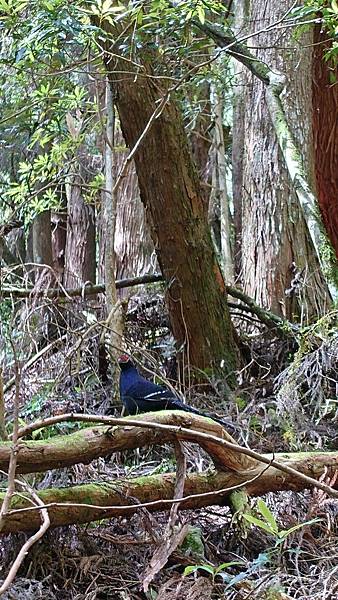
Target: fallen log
{"type": "Point", "coordinates": [90, 502]}
{"type": "Point", "coordinates": [87, 444]}
{"type": "Point", "coordinates": [130, 432]}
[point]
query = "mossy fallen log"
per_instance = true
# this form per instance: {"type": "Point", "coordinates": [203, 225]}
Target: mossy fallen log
{"type": "Point", "coordinates": [91, 502]}
{"type": "Point", "coordinates": [89, 443]}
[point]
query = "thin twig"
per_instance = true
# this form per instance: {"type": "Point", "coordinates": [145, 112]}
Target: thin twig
{"type": "Point", "coordinates": [14, 447]}
{"type": "Point", "coordinates": [29, 543]}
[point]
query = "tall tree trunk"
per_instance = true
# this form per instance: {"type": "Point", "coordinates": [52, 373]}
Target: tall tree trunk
{"type": "Point", "coordinates": [59, 236]}
{"type": "Point", "coordinates": [135, 253]}
{"type": "Point", "coordinates": [170, 191]}
{"type": "Point", "coordinates": [16, 245]}
{"type": "Point", "coordinates": [279, 266]}
{"type": "Point", "coordinates": [80, 261]}
{"type": "Point", "coordinates": [239, 98]}
{"type": "Point", "coordinates": [39, 247]}
{"type": "Point", "coordinates": [114, 313]}
{"type": "Point", "coordinates": [200, 138]}
{"type": "Point", "coordinates": [325, 131]}
{"type": "Point", "coordinates": [44, 326]}
{"type": "Point", "coordinates": [109, 205]}
{"type": "Point", "coordinates": [133, 244]}
{"type": "Point", "coordinates": [219, 195]}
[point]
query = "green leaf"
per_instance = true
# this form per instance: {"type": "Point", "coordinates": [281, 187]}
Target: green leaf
{"type": "Point", "coordinates": [190, 569]}
{"type": "Point", "coordinates": [332, 77]}
{"type": "Point", "coordinates": [285, 532]}
{"type": "Point", "coordinates": [258, 523]}
{"type": "Point", "coordinates": [334, 6]}
{"type": "Point", "coordinates": [4, 7]}
{"type": "Point", "coordinates": [267, 514]}
{"type": "Point", "coordinates": [193, 568]}
{"type": "Point", "coordinates": [106, 6]}
{"type": "Point", "coordinates": [201, 13]}
{"type": "Point", "coordinates": [227, 565]}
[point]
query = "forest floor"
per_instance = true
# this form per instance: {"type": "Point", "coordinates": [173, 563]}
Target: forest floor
{"type": "Point", "coordinates": [227, 560]}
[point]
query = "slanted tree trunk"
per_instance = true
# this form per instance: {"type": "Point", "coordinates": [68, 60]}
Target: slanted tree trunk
{"type": "Point", "coordinates": [123, 497]}
{"type": "Point", "coordinates": [279, 266]}
{"type": "Point", "coordinates": [172, 197]}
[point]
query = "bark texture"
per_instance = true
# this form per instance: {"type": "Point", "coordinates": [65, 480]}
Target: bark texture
{"type": "Point", "coordinates": [279, 266]}
{"type": "Point", "coordinates": [219, 196]}
{"type": "Point", "coordinates": [133, 244]}
{"type": "Point", "coordinates": [200, 138]}
{"type": "Point", "coordinates": [81, 504]}
{"type": "Point", "coordinates": [39, 246]}
{"type": "Point", "coordinates": [80, 262]}
{"type": "Point", "coordinates": [325, 132]}
{"type": "Point", "coordinates": [59, 235]}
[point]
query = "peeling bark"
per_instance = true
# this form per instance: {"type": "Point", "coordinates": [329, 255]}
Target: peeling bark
{"type": "Point", "coordinates": [281, 237]}
{"type": "Point", "coordinates": [277, 239]}
{"type": "Point", "coordinates": [134, 248]}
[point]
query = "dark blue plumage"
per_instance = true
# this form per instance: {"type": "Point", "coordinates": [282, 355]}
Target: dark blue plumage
{"type": "Point", "coordinates": [140, 395]}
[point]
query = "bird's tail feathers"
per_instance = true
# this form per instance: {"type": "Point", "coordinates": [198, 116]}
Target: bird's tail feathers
{"type": "Point", "coordinates": [222, 422]}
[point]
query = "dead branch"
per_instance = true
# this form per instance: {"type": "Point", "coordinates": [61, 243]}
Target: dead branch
{"type": "Point", "coordinates": [86, 290]}
{"type": "Point", "coordinates": [34, 359]}
{"type": "Point", "coordinates": [87, 444]}
{"type": "Point", "coordinates": [283, 327]}
{"type": "Point", "coordinates": [267, 317]}
{"type": "Point", "coordinates": [171, 538]}
{"type": "Point", "coordinates": [30, 542]}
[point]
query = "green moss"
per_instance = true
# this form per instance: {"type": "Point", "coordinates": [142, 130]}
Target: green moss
{"type": "Point", "coordinates": [193, 542]}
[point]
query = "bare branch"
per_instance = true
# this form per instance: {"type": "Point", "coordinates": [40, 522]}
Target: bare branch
{"type": "Point", "coordinates": [29, 543]}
